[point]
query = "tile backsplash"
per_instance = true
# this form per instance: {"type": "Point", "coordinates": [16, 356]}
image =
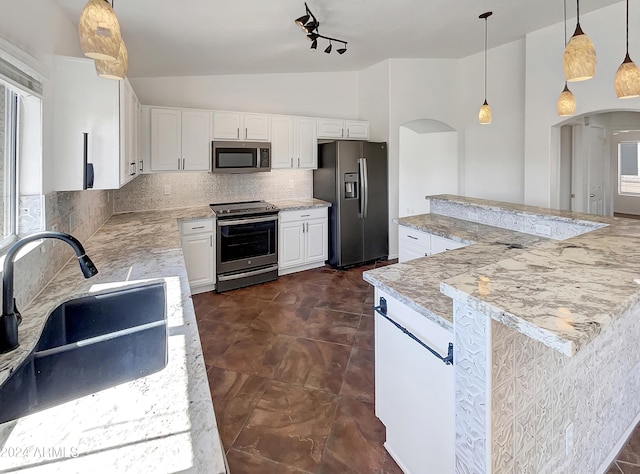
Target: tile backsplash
{"type": "Point", "coordinates": [79, 213]}
{"type": "Point", "coordinates": [175, 190]}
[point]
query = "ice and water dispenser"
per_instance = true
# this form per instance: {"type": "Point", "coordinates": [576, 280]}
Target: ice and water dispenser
{"type": "Point", "coordinates": [351, 186]}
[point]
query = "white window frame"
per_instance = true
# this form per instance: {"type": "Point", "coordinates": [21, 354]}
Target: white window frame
{"type": "Point", "coordinates": [11, 146]}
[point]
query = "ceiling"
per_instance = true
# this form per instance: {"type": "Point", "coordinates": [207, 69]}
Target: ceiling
{"type": "Point", "coordinates": [206, 37]}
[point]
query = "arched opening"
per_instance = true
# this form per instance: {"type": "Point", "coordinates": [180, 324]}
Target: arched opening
{"type": "Point", "coordinates": [428, 162]}
{"type": "Point", "coordinates": [598, 170]}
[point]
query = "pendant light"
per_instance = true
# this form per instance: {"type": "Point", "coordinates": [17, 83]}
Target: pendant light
{"type": "Point", "coordinates": [627, 81]}
{"type": "Point", "coordinates": [579, 59]}
{"type": "Point", "coordinates": [484, 116]}
{"type": "Point", "coordinates": [99, 31]}
{"type": "Point", "coordinates": [566, 102]}
{"type": "Point", "coordinates": [114, 69]}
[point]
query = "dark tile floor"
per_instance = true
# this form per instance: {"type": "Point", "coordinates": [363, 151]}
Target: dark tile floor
{"type": "Point", "coordinates": [290, 366]}
{"type": "Point", "coordinates": [628, 459]}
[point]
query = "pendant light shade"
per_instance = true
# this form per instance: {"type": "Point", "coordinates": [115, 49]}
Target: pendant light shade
{"type": "Point", "coordinates": [114, 69]}
{"type": "Point", "coordinates": [627, 81]}
{"type": "Point", "coordinates": [566, 102]}
{"type": "Point", "coordinates": [99, 31]}
{"type": "Point", "coordinates": [579, 59]}
{"type": "Point", "coordinates": [484, 115]}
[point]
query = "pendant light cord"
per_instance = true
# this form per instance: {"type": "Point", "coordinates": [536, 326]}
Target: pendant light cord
{"type": "Point", "coordinates": [485, 59]}
{"type": "Point", "coordinates": [578, 11]}
{"type": "Point", "coordinates": [627, 27]}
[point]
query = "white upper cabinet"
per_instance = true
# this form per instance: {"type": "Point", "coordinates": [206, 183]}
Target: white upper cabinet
{"type": "Point", "coordinates": [306, 142]}
{"type": "Point", "coordinates": [343, 129]}
{"type": "Point", "coordinates": [282, 149]}
{"type": "Point", "coordinates": [180, 140]}
{"type": "Point", "coordinates": [239, 126]}
{"type": "Point", "coordinates": [293, 142]}
{"type": "Point", "coordinates": [103, 109]}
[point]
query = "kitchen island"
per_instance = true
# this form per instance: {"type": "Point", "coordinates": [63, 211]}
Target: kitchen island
{"type": "Point", "coordinates": [545, 378]}
{"type": "Point", "coordinates": [161, 423]}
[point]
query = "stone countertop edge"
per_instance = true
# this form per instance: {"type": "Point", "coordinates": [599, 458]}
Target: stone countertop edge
{"type": "Point", "coordinates": [164, 422]}
{"type": "Point", "coordinates": [299, 204]}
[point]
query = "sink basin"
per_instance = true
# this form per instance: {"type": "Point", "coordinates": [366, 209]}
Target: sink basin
{"type": "Point", "coordinates": [89, 344]}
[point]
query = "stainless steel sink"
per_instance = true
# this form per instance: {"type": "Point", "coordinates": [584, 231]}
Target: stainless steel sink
{"type": "Point", "coordinates": [89, 344]}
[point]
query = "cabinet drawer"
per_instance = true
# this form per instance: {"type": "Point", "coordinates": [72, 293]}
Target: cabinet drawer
{"type": "Point", "coordinates": [303, 214]}
{"type": "Point", "coordinates": [416, 237]}
{"type": "Point", "coordinates": [440, 244]}
{"type": "Point", "coordinates": [197, 227]}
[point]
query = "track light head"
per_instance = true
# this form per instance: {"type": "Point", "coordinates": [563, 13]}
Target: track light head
{"type": "Point", "coordinates": [314, 44]}
{"type": "Point", "coordinates": [302, 20]}
{"type": "Point", "coordinates": [312, 36]}
{"type": "Point", "coordinates": [328, 49]}
{"type": "Point", "coordinates": [309, 27]}
{"type": "Point", "coordinates": [342, 50]}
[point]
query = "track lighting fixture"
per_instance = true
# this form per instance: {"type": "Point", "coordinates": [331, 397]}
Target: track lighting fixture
{"type": "Point", "coordinates": [310, 24]}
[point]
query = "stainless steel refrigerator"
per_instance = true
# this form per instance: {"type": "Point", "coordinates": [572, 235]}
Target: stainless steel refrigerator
{"type": "Point", "coordinates": [352, 176]}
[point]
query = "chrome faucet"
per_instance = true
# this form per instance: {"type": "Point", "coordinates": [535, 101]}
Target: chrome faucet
{"type": "Point", "coordinates": [10, 317]}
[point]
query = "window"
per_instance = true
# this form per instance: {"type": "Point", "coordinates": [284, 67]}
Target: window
{"type": "Point", "coordinates": [9, 134]}
{"type": "Point", "coordinates": [628, 176]}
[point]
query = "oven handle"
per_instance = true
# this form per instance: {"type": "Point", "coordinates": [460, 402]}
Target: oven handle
{"type": "Point", "coordinates": [235, 276]}
{"type": "Point", "coordinates": [251, 220]}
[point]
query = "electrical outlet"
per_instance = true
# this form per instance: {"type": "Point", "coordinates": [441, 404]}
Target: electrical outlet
{"type": "Point", "coordinates": [568, 440]}
{"type": "Point", "coordinates": [167, 189]}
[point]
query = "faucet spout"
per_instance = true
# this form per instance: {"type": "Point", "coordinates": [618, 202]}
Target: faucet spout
{"type": "Point", "coordinates": [10, 317]}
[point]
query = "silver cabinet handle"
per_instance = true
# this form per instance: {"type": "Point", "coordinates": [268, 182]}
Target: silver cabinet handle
{"type": "Point", "coordinates": [211, 240]}
{"type": "Point", "coordinates": [347, 133]}
{"type": "Point", "coordinates": [292, 162]}
{"type": "Point", "coordinates": [303, 231]}
{"type": "Point", "coordinates": [141, 166]}
{"type": "Point", "coordinates": [298, 162]}
{"type": "Point", "coordinates": [305, 215]}
{"type": "Point", "coordinates": [183, 164]}
{"type": "Point", "coordinates": [592, 195]}
{"type": "Point", "coordinates": [307, 227]}
{"type": "Point", "coordinates": [412, 237]}
{"type": "Point", "coordinates": [246, 133]}
{"type": "Point", "coordinates": [178, 163]}
{"type": "Point", "coordinates": [342, 132]}
{"type": "Point", "coordinates": [238, 133]}
{"type": "Point", "coordinates": [197, 227]}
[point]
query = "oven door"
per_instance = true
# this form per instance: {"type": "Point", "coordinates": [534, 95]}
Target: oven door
{"type": "Point", "coordinates": [246, 242]}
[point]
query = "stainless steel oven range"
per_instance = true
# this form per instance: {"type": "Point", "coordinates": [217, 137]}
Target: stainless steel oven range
{"type": "Point", "coordinates": [246, 244]}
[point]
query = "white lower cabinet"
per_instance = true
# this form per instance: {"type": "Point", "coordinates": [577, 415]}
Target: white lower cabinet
{"type": "Point", "coordinates": [415, 244]}
{"type": "Point", "coordinates": [303, 240]}
{"type": "Point", "coordinates": [414, 390]}
{"type": "Point", "coordinates": [198, 248]}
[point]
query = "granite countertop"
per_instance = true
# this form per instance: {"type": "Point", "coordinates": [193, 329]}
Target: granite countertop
{"type": "Point", "coordinates": [416, 283]}
{"type": "Point", "coordinates": [299, 204]}
{"type": "Point", "coordinates": [160, 423]}
{"type": "Point", "coordinates": [563, 293]}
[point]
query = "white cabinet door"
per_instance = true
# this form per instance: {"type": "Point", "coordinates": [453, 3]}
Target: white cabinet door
{"type": "Point", "coordinates": [357, 129]}
{"type": "Point", "coordinates": [316, 240]}
{"type": "Point", "coordinates": [227, 125]}
{"type": "Point", "coordinates": [282, 136]}
{"type": "Point", "coordinates": [330, 128]}
{"type": "Point", "coordinates": [440, 244]}
{"type": "Point", "coordinates": [408, 252]}
{"type": "Point", "coordinates": [306, 143]}
{"type": "Point", "coordinates": [291, 252]}
{"type": "Point", "coordinates": [257, 127]}
{"type": "Point", "coordinates": [414, 390]}
{"type": "Point", "coordinates": [196, 140]}
{"type": "Point", "coordinates": [199, 257]}
{"type": "Point", "coordinates": [166, 140]}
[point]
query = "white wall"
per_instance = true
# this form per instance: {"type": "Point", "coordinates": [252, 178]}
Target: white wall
{"type": "Point", "coordinates": [331, 94]}
{"type": "Point", "coordinates": [493, 164]}
{"type": "Point", "coordinates": [544, 82]}
{"type": "Point", "coordinates": [373, 100]}
{"type": "Point", "coordinates": [428, 165]}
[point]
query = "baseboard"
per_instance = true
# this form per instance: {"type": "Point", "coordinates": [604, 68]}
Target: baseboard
{"type": "Point", "coordinates": [300, 268]}
{"type": "Point", "coordinates": [616, 449]}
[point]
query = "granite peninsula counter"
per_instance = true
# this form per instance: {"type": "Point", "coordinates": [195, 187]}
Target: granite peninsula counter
{"type": "Point", "coordinates": [160, 423]}
{"type": "Point", "coordinates": [545, 336]}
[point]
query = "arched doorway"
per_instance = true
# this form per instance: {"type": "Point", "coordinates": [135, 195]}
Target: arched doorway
{"type": "Point", "coordinates": [428, 164]}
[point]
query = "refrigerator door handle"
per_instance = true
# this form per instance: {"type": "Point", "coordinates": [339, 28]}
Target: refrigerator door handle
{"type": "Point", "coordinates": [362, 190]}
{"type": "Point", "coordinates": [365, 194]}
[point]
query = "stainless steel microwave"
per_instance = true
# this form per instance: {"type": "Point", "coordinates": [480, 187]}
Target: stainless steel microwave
{"type": "Point", "coordinates": [240, 157]}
